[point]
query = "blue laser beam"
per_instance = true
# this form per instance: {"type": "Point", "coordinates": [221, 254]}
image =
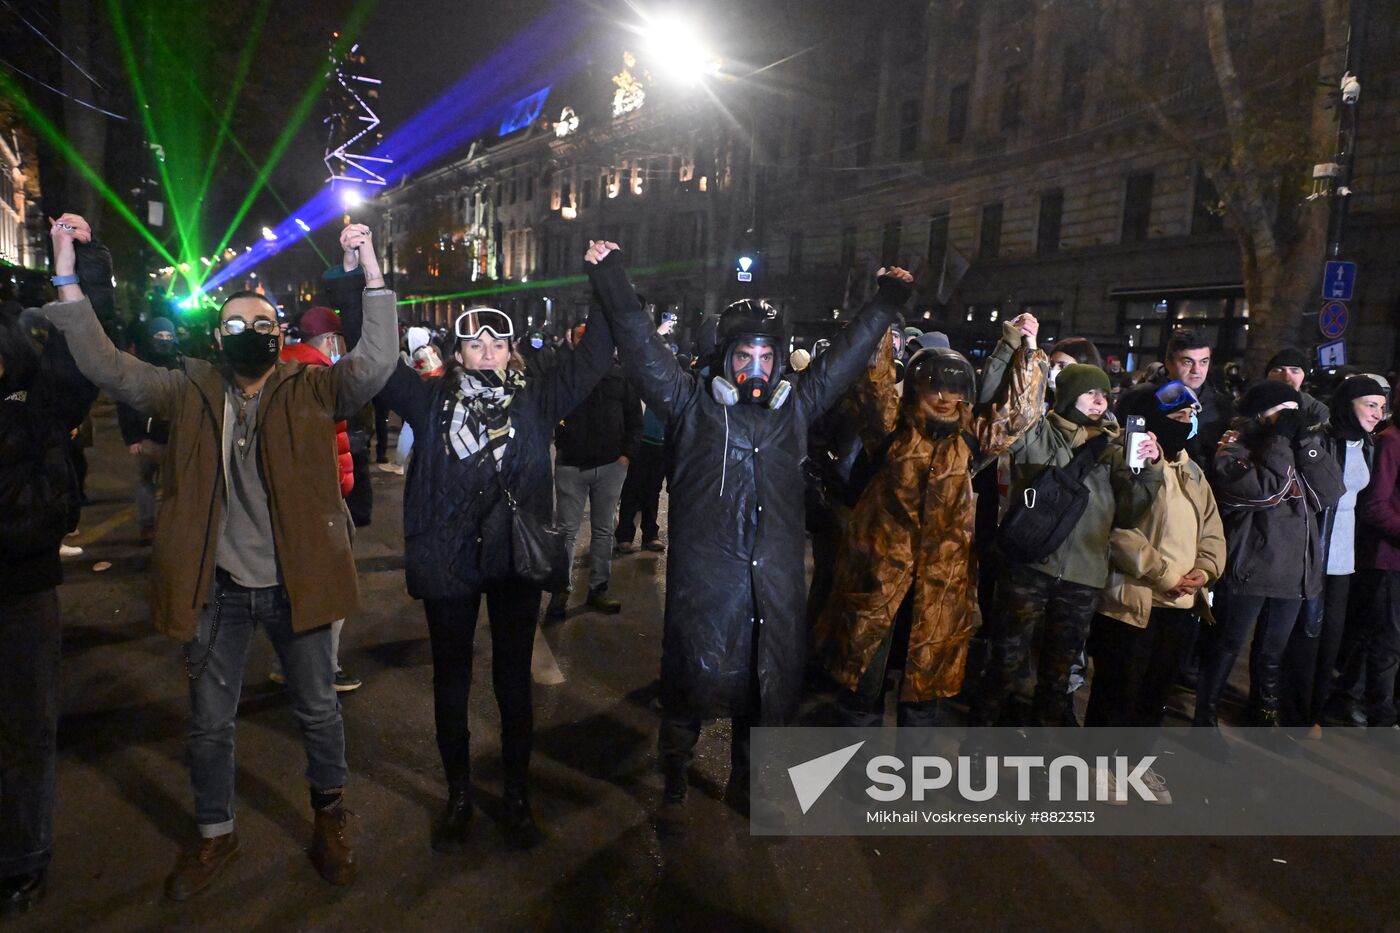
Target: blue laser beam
{"type": "Point", "coordinates": [536, 56]}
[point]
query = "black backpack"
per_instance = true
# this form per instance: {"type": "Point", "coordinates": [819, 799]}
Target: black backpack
{"type": "Point", "coordinates": [1043, 515]}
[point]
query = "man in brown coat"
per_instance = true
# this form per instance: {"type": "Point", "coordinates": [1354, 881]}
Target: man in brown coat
{"type": "Point", "coordinates": [252, 531]}
{"type": "Point", "coordinates": [910, 537]}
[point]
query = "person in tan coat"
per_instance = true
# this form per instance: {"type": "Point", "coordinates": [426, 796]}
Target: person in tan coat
{"type": "Point", "coordinates": [252, 532]}
{"type": "Point", "coordinates": [910, 536]}
{"type": "Point", "coordinates": [1156, 593]}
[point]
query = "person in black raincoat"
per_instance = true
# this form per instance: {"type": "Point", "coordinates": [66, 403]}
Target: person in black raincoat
{"type": "Point", "coordinates": [735, 636]}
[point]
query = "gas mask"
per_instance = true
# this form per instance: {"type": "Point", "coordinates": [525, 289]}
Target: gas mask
{"type": "Point", "coordinates": [748, 380]}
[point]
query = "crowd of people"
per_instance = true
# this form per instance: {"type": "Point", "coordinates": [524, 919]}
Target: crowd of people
{"type": "Point", "coordinates": [1045, 518]}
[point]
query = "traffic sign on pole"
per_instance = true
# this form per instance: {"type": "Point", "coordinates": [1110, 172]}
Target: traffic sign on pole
{"type": "Point", "coordinates": [1332, 319]}
{"type": "Point", "coordinates": [1338, 281]}
{"type": "Point", "coordinates": [1332, 354]}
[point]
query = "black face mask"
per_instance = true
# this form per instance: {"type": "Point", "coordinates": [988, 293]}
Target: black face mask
{"type": "Point", "coordinates": [1171, 434]}
{"type": "Point", "coordinates": [162, 349]}
{"type": "Point", "coordinates": [250, 353]}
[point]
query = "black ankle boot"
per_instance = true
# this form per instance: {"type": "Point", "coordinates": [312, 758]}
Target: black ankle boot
{"type": "Point", "coordinates": [454, 825]}
{"type": "Point", "coordinates": [520, 828]}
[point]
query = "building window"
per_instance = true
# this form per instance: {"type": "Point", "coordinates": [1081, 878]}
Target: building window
{"type": "Point", "coordinates": [1047, 231]}
{"type": "Point", "coordinates": [1072, 83]}
{"type": "Point", "coordinates": [937, 239]}
{"type": "Point", "coordinates": [514, 190]}
{"type": "Point", "coordinates": [500, 192]}
{"type": "Point", "coordinates": [530, 189]}
{"type": "Point", "coordinates": [1137, 207]}
{"type": "Point", "coordinates": [1206, 216]}
{"type": "Point", "coordinates": [989, 237]}
{"type": "Point", "coordinates": [848, 246]}
{"type": "Point", "coordinates": [795, 254]}
{"type": "Point", "coordinates": [957, 113]}
{"type": "Point", "coordinates": [587, 188]}
{"type": "Point", "coordinates": [1012, 90]}
{"type": "Point", "coordinates": [889, 244]}
{"type": "Point", "coordinates": [865, 138]}
{"type": "Point", "coordinates": [908, 128]}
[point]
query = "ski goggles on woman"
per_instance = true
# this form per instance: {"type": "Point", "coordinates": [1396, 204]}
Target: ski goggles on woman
{"type": "Point", "coordinates": [475, 323]}
{"type": "Point", "coordinates": [1177, 395]}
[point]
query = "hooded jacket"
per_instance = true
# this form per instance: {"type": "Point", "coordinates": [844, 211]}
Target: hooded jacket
{"type": "Point", "coordinates": [735, 575]}
{"type": "Point", "coordinates": [913, 527]}
{"type": "Point", "coordinates": [310, 356]}
{"type": "Point", "coordinates": [1141, 571]}
{"type": "Point", "coordinates": [1117, 496]}
{"type": "Point", "coordinates": [1271, 495]}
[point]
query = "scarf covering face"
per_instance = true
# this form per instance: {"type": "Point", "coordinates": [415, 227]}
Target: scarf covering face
{"type": "Point", "coordinates": [481, 413]}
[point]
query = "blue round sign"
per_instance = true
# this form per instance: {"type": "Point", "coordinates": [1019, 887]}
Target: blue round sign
{"type": "Point", "coordinates": [1332, 319]}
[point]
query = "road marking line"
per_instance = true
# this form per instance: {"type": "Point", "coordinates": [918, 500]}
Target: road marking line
{"type": "Point", "coordinates": [96, 532]}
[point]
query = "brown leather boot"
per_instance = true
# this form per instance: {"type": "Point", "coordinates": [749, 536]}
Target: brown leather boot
{"type": "Point", "coordinates": [197, 868]}
{"type": "Point", "coordinates": [332, 851]}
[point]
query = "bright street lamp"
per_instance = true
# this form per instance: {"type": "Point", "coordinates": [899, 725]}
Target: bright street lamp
{"type": "Point", "coordinates": [675, 46]}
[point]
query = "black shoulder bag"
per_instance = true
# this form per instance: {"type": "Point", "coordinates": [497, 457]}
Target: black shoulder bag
{"type": "Point", "coordinates": [1042, 517]}
{"type": "Point", "coordinates": [536, 550]}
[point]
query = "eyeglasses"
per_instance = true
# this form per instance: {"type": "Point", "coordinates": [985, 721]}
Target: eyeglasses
{"type": "Point", "coordinates": [1171, 395]}
{"type": "Point", "coordinates": [236, 325]}
{"type": "Point", "coordinates": [476, 322]}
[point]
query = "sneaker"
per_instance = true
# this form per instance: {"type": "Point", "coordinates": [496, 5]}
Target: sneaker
{"type": "Point", "coordinates": [395, 468]}
{"type": "Point", "coordinates": [655, 545]}
{"type": "Point", "coordinates": [344, 683]}
{"type": "Point", "coordinates": [600, 601]}
{"type": "Point", "coordinates": [1158, 786]}
{"type": "Point", "coordinates": [68, 552]}
{"type": "Point", "coordinates": [277, 677]}
{"type": "Point", "coordinates": [625, 547]}
{"type": "Point", "coordinates": [198, 868]}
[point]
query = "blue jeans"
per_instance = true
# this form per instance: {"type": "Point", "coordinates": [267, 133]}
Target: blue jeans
{"type": "Point", "coordinates": [1235, 616]}
{"type": "Point", "coordinates": [309, 665]}
{"type": "Point", "coordinates": [29, 655]}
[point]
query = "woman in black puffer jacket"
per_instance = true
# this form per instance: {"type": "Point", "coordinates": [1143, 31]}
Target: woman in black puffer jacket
{"type": "Point", "coordinates": [42, 398]}
{"type": "Point", "coordinates": [481, 426]}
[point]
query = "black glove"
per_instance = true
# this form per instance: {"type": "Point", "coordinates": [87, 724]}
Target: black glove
{"type": "Point", "coordinates": [893, 292]}
{"type": "Point", "coordinates": [1293, 425]}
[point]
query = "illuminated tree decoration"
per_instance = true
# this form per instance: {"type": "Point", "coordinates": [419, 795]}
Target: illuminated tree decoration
{"type": "Point", "coordinates": [630, 93]}
{"type": "Point", "coordinates": [352, 125]}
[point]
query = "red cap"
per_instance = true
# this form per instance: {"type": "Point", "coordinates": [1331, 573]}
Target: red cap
{"type": "Point", "coordinates": [317, 321]}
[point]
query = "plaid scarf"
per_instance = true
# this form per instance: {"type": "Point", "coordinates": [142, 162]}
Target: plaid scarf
{"type": "Point", "coordinates": [481, 413]}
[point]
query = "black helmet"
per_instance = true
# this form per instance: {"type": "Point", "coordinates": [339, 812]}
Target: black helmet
{"type": "Point", "coordinates": [749, 317]}
{"type": "Point", "coordinates": [939, 369]}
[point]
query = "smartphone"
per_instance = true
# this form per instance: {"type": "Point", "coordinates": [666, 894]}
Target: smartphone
{"type": "Point", "coordinates": [669, 318]}
{"type": "Point", "coordinates": [1135, 428]}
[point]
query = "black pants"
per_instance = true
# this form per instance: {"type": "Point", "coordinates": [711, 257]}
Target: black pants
{"type": "Point", "coordinates": [1026, 601]}
{"type": "Point", "coordinates": [30, 634]}
{"type": "Point", "coordinates": [679, 734]}
{"type": "Point", "coordinates": [1237, 615]}
{"type": "Point", "coordinates": [641, 492]}
{"type": "Point", "coordinates": [381, 430]}
{"type": "Point", "coordinates": [361, 498]}
{"type": "Point", "coordinates": [513, 610]}
{"type": "Point", "coordinates": [1311, 655]}
{"type": "Point", "coordinates": [1375, 656]}
{"type": "Point", "coordinates": [1136, 668]}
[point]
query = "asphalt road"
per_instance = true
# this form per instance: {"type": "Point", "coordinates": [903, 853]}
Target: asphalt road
{"type": "Point", "coordinates": [124, 802]}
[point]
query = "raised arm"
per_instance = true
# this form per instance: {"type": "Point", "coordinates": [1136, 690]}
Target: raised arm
{"type": "Point", "coordinates": [359, 375]}
{"type": "Point", "coordinates": [658, 377]}
{"type": "Point", "coordinates": [1000, 421]}
{"type": "Point", "coordinates": [832, 373]}
{"type": "Point", "coordinates": [568, 383]}
{"type": "Point", "coordinates": [141, 385]}
{"type": "Point", "coordinates": [874, 400]}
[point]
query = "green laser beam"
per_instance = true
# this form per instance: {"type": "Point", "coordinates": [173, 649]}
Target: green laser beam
{"type": "Point", "coordinates": [66, 149]}
{"type": "Point", "coordinates": [245, 59]}
{"type": "Point", "coordinates": [143, 106]}
{"type": "Point", "coordinates": [561, 282]}
{"type": "Point", "coordinates": [299, 115]}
